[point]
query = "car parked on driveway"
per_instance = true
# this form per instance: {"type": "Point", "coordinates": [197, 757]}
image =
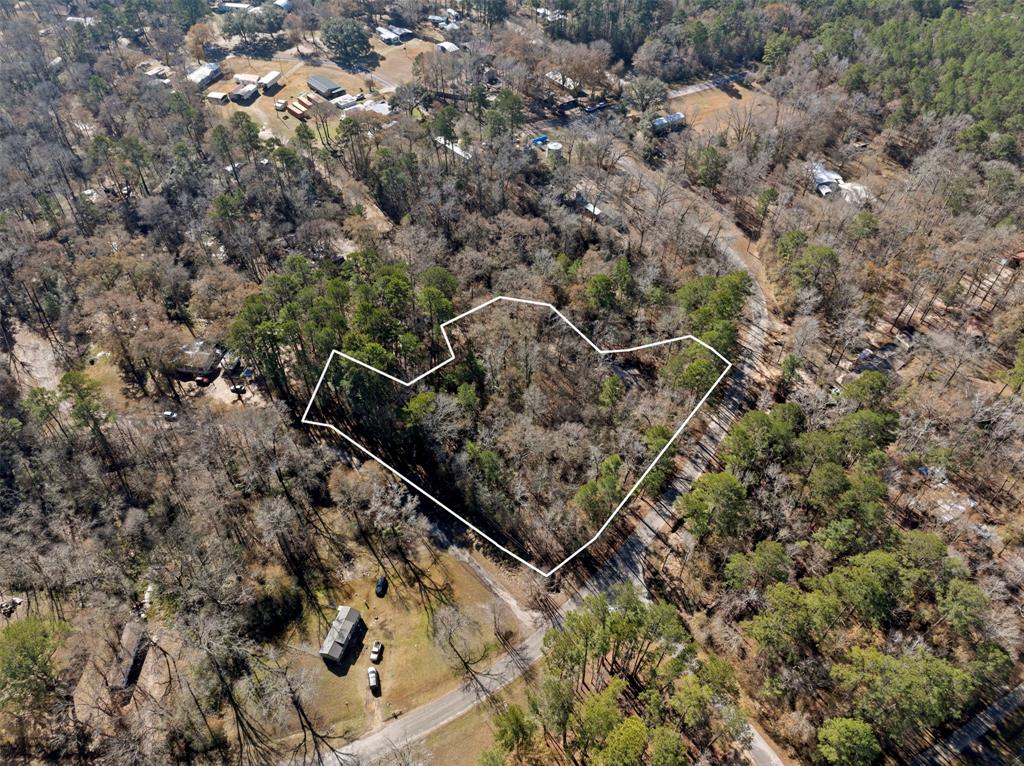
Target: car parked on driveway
{"type": "Point", "coordinates": [374, 678]}
{"type": "Point", "coordinates": [376, 651]}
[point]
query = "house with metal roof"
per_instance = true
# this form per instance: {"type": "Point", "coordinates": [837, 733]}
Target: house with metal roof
{"type": "Point", "coordinates": [344, 628]}
{"type": "Point", "coordinates": [324, 86]}
{"type": "Point", "coordinates": [204, 75]}
{"type": "Point", "coordinates": [825, 181]}
{"type": "Point", "coordinates": [668, 123]}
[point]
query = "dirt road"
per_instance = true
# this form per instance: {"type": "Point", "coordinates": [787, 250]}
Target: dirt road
{"type": "Point", "coordinates": [697, 87]}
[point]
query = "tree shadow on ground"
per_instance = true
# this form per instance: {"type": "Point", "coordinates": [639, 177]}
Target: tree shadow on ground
{"type": "Point", "coordinates": [215, 53]}
{"type": "Point", "coordinates": [730, 89]}
{"type": "Point", "coordinates": [261, 49]}
{"type": "Point", "coordinates": [364, 65]}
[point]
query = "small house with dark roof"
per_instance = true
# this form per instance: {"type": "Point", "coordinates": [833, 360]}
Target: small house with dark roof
{"type": "Point", "coordinates": [341, 633]}
{"type": "Point", "coordinates": [198, 359]}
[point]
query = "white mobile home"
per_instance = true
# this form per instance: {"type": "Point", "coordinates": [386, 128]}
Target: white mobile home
{"type": "Point", "coordinates": [204, 75]}
{"type": "Point", "coordinates": [401, 33]}
{"type": "Point", "coordinates": [668, 123]}
{"type": "Point", "coordinates": [269, 80]}
{"type": "Point", "coordinates": [825, 181]}
{"type": "Point", "coordinates": [387, 36]}
{"type": "Point", "coordinates": [454, 148]}
{"type": "Point", "coordinates": [243, 93]}
{"type": "Point", "coordinates": [562, 81]}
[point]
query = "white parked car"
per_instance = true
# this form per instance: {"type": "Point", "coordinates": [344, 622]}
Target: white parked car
{"type": "Point", "coordinates": [374, 678]}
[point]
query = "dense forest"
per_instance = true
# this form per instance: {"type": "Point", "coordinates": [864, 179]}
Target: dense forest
{"type": "Point", "coordinates": [834, 549]}
{"type": "Point", "coordinates": [530, 434]}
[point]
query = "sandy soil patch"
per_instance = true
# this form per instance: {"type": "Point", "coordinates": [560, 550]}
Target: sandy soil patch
{"type": "Point", "coordinates": [35, 364]}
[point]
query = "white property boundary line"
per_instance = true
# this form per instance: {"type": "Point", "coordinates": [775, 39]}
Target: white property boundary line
{"type": "Point", "coordinates": [451, 358]}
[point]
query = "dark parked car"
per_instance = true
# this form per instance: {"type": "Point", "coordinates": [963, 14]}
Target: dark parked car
{"type": "Point", "coordinates": [382, 586]}
{"type": "Point", "coordinates": [596, 107]}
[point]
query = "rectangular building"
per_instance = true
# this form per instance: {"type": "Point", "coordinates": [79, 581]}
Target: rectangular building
{"type": "Point", "coordinates": [668, 123]}
{"type": "Point", "coordinates": [339, 636]}
{"type": "Point", "coordinates": [204, 75]}
{"type": "Point", "coordinates": [324, 86]}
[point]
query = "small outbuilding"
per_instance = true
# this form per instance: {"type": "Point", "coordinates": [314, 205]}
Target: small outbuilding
{"type": "Point", "coordinates": [344, 628]}
{"type": "Point", "coordinates": [447, 47]}
{"type": "Point", "coordinates": [243, 93]}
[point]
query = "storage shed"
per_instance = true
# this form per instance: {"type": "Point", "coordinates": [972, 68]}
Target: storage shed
{"type": "Point", "coordinates": [324, 86]}
{"type": "Point", "coordinates": [243, 93]}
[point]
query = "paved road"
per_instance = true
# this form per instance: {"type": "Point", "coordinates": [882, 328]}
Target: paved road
{"type": "Point", "coordinates": [418, 723]}
{"type": "Point", "coordinates": [627, 564]}
{"type": "Point", "coordinates": [947, 750]}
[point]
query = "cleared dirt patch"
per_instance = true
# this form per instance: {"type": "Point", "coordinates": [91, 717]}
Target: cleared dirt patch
{"type": "Point", "coordinates": [35, 365]}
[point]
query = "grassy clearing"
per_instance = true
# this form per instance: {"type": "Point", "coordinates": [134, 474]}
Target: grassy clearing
{"type": "Point", "coordinates": [711, 110]}
{"type": "Point", "coordinates": [413, 670]}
